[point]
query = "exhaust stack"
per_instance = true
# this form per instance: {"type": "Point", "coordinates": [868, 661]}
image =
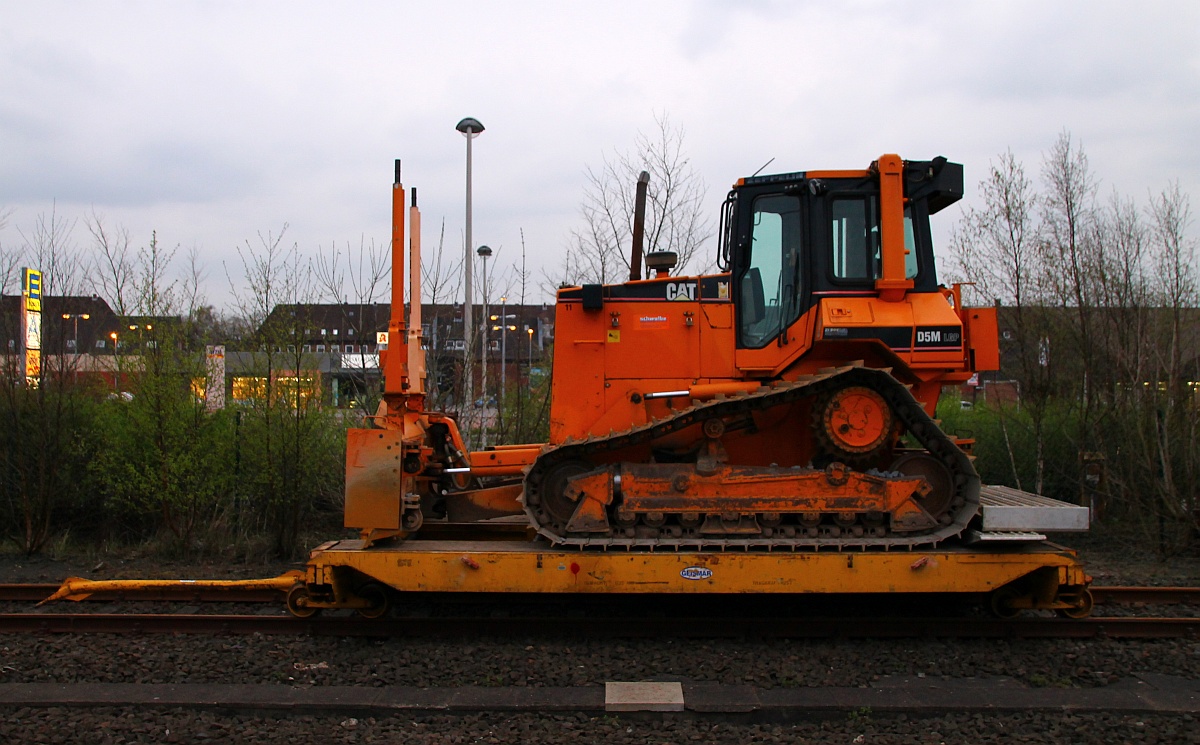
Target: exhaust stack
{"type": "Point", "coordinates": [639, 226]}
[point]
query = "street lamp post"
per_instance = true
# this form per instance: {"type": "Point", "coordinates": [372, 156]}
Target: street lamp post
{"type": "Point", "coordinates": [75, 338]}
{"type": "Point", "coordinates": [116, 364]}
{"type": "Point", "coordinates": [76, 317]}
{"type": "Point", "coordinates": [471, 128]}
{"type": "Point", "coordinates": [503, 327]}
{"type": "Point", "coordinates": [484, 253]}
{"type": "Point", "coordinates": [503, 346]}
{"type": "Point", "coordinates": [141, 329]}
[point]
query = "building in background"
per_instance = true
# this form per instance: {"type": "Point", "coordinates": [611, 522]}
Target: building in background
{"type": "Point", "coordinates": [324, 351]}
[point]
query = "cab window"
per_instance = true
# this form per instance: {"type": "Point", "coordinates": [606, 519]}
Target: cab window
{"type": "Point", "coordinates": [854, 238]}
{"type": "Point", "coordinates": [770, 285]}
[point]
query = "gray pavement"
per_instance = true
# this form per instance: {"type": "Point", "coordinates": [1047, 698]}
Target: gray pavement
{"type": "Point", "coordinates": [909, 695]}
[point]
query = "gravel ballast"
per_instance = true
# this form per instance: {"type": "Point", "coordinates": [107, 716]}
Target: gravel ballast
{"type": "Point", "coordinates": [60, 725]}
{"type": "Point", "coordinates": [101, 658]}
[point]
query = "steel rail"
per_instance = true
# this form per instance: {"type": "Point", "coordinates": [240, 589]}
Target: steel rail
{"type": "Point", "coordinates": [687, 627]}
{"type": "Point", "coordinates": [36, 592]}
{"type": "Point", "coordinates": [1148, 595]}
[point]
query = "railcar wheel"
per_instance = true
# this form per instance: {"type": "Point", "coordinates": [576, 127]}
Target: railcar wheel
{"type": "Point", "coordinates": [1081, 609]}
{"type": "Point", "coordinates": [1003, 603]}
{"type": "Point", "coordinates": [295, 597]}
{"type": "Point", "coordinates": [379, 598]}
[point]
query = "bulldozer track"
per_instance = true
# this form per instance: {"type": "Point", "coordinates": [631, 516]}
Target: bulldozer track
{"type": "Point", "coordinates": [964, 503]}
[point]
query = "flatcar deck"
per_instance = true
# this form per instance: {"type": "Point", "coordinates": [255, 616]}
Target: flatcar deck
{"type": "Point", "coordinates": [533, 567]}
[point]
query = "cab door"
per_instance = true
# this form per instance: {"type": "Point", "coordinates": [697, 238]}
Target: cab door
{"type": "Point", "coordinates": [771, 268]}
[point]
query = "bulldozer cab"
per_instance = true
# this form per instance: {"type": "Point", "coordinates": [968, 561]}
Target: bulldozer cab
{"type": "Point", "coordinates": [790, 239]}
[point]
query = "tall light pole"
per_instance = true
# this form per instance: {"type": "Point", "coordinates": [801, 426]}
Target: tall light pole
{"type": "Point", "coordinates": [470, 128]}
{"type": "Point", "coordinates": [76, 317]}
{"type": "Point", "coordinates": [75, 338]}
{"type": "Point", "coordinates": [503, 346]}
{"type": "Point", "coordinates": [503, 327]}
{"type": "Point", "coordinates": [485, 253]}
{"type": "Point", "coordinates": [116, 364]}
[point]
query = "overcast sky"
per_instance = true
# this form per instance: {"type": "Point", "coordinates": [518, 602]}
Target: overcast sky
{"type": "Point", "coordinates": [212, 122]}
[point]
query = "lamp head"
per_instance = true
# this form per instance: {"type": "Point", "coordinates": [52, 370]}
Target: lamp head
{"type": "Point", "coordinates": [469, 126]}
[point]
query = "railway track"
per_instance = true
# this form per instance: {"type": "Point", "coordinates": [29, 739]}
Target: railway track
{"type": "Point", "coordinates": [1140, 627]}
{"type": "Point", "coordinates": [1104, 595]}
{"type": "Point", "coordinates": [48, 620]}
{"type": "Point", "coordinates": [1146, 595]}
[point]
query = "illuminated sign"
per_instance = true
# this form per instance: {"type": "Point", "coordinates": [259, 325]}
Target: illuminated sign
{"type": "Point", "coordinates": [33, 330]}
{"type": "Point", "coordinates": [31, 324]}
{"type": "Point", "coordinates": [33, 366]}
{"type": "Point", "coordinates": [31, 288]}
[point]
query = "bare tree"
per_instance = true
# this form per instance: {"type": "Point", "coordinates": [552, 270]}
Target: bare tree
{"type": "Point", "coordinates": [42, 456]}
{"type": "Point", "coordinates": [524, 413]}
{"type": "Point", "coordinates": [50, 248]}
{"type": "Point", "coordinates": [1178, 430]}
{"type": "Point", "coordinates": [288, 434]}
{"type": "Point", "coordinates": [1123, 288]}
{"type": "Point", "coordinates": [996, 248]}
{"type": "Point", "coordinates": [272, 274]}
{"type": "Point", "coordinates": [1101, 335]}
{"type": "Point", "coordinates": [114, 275]}
{"type": "Point", "coordinates": [356, 276]}
{"type": "Point", "coordinates": [191, 287]}
{"type": "Point", "coordinates": [353, 280]}
{"type": "Point", "coordinates": [675, 219]}
{"type": "Point", "coordinates": [8, 259]}
{"type": "Point", "coordinates": [155, 293]}
{"type": "Point", "coordinates": [440, 280]}
{"type": "Point", "coordinates": [1072, 246]}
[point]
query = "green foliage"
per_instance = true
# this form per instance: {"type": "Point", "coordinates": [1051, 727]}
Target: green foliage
{"type": "Point", "coordinates": [1142, 482]}
{"type": "Point", "coordinates": [524, 413]}
{"type": "Point", "coordinates": [288, 466]}
{"type": "Point", "coordinates": [44, 451]}
{"type": "Point", "coordinates": [162, 462]}
{"type": "Point", "coordinates": [1010, 441]}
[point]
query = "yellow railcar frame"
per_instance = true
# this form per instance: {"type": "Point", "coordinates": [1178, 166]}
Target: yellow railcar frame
{"type": "Point", "coordinates": [1040, 575]}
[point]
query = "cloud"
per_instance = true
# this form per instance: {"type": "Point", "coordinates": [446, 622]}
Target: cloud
{"type": "Point", "coordinates": [211, 121]}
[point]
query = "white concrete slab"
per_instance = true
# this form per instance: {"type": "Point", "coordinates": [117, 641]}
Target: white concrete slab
{"type": "Point", "coordinates": [1007, 509]}
{"type": "Point", "coordinates": [645, 696]}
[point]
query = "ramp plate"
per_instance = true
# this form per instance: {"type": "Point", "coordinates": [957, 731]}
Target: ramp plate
{"type": "Point", "coordinates": [1004, 509]}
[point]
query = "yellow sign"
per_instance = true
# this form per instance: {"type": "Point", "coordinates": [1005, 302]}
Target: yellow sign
{"type": "Point", "coordinates": [33, 364]}
{"type": "Point", "coordinates": [614, 336]}
{"type": "Point", "coordinates": [31, 288]}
